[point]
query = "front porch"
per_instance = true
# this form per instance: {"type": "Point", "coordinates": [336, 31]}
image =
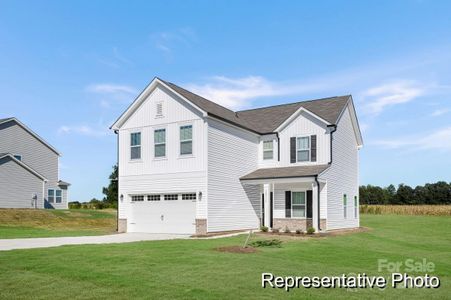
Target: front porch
{"type": "Point", "coordinates": [294, 202]}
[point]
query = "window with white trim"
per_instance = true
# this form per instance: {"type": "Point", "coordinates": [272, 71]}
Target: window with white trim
{"type": "Point", "coordinates": [186, 139]}
{"type": "Point", "coordinates": [51, 196]}
{"type": "Point", "coordinates": [58, 196]}
{"type": "Point", "coordinates": [159, 137]}
{"type": "Point", "coordinates": [190, 196]}
{"type": "Point", "coordinates": [303, 148]}
{"type": "Point", "coordinates": [135, 145]}
{"type": "Point", "coordinates": [170, 197]}
{"type": "Point", "coordinates": [356, 206]}
{"type": "Point", "coordinates": [137, 198]}
{"type": "Point", "coordinates": [268, 150]}
{"type": "Point", "coordinates": [298, 204]}
{"type": "Point", "coordinates": [153, 197]}
{"type": "Point", "coordinates": [345, 206]}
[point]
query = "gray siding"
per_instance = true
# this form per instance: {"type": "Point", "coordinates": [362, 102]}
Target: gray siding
{"type": "Point", "coordinates": [18, 185]}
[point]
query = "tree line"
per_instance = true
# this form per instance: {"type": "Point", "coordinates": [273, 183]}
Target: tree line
{"type": "Point", "coordinates": [430, 193]}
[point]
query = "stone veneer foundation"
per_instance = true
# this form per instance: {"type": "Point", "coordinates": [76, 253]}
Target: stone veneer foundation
{"type": "Point", "coordinates": [295, 224]}
{"type": "Point", "coordinates": [201, 226]}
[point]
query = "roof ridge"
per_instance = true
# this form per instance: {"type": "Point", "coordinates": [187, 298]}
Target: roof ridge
{"type": "Point", "coordinates": [291, 103]}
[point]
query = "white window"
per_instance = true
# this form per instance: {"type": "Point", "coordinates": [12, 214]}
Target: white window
{"type": "Point", "coordinates": [51, 196]}
{"type": "Point", "coordinates": [345, 205]}
{"type": "Point", "coordinates": [136, 198]}
{"type": "Point", "coordinates": [159, 110]}
{"type": "Point", "coordinates": [186, 139]}
{"type": "Point", "coordinates": [298, 205]}
{"type": "Point", "coordinates": [303, 148]}
{"type": "Point", "coordinates": [190, 196]}
{"type": "Point", "coordinates": [58, 196]}
{"type": "Point", "coordinates": [17, 156]}
{"type": "Point", "coordinates": [153, 197]}
{"type": "Point", "coordinates": [170, 197]}
{"type": "Point", "coordinates": [268, 151]}
{"type": "Point", "coordinates": [135, 145]}
{"type": "Point", "coordinates": [159, 137]}
{"type": "Point", "coordinates": [356, 206]}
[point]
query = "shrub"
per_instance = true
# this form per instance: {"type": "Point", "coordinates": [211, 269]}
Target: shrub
{"type": "Point", "coordinates": [287, 230]}
{"type": "Point", "coordinates": [74, 205]}
{"type": "Point", "coordinates": [299, 231]}
{"type": "Point", "coordinates": [264, 228]}
{"type": "Point", "coordinates": [267, 243]}
{"type": "Point", "coordinates": [310, 230]}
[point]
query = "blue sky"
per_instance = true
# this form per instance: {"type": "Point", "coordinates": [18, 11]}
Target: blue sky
{"type": "Point", "coordinates": [68, 69]}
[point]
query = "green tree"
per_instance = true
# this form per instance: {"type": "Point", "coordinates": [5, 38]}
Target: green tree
{"type": "Point", "coordinates": [111, 190]}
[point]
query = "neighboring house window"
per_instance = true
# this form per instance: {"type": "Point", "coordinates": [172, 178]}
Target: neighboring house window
{"type": "Point", "coordinates": [159, 110]}
{"type": "Point", "coordinates": [136, 198]}
{"type": "Point", "coordinates": [51, 196]}
{"type": "Point", "coordinates": [58, 196]}
{"type": "Point", "coordinates": [190, 196]}
{"type": "Point", "coordinates": [298, 204]}
{"type": "Point", "coordinates": [18, 157]}
{"type": "Point", "coordinates": [268, 151]}
{"type": "Point", "coordinates": [159, 137]}
{"type": "Point", "coordinates": [345, 206]}
{"type": "Point", "coordinates": [153, 197]}
{"type": "Point", "coordinates": [356, 206]}
{"type": "Point", "coordinates": [135, 145]}
{"type": "Point", "coordinates": [303, 148]}
{"type": "Point", "coordinates": [186, 139]}
{"type": "Point", "coordinates": [171, 197]}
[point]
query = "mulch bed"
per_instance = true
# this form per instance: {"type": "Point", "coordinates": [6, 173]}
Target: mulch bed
{"type": "Point", "coordinates": [236, 249]}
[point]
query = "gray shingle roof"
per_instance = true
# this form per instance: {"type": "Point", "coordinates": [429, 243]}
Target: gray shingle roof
{"type": "Point", "coordinates": [5, 119]}
{"type": "Point", "coordinates": [267, 119]}
{"type": "Point", "coordinates": [285, 172]}
{"type": "Point", "coordinates": [61, 182]}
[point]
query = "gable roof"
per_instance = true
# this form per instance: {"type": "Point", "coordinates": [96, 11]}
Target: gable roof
{"type": "Point", "coordinates": [23, 165]}
{"type": "Point", "coordinates": [13, 119]}
{"type": "Point", "coordinates": [264, 120]}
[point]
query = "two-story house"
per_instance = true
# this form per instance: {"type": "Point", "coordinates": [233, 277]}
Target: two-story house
{"type": "Point", "coordinates": [189, 165]}
{"type": "Point", "coordinates": [28, 169]}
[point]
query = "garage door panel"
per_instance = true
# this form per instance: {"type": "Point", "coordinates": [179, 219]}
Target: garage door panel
{"type": "Point", "coordinates": [175, 216]}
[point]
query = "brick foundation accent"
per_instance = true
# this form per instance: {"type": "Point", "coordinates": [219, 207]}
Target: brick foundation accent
{"type": "Point", "coordinates": [122, 225]}
{"type": "Point", "coordinates": [294, 224]}
{"type": "Point", "coordinates": [201, 226]}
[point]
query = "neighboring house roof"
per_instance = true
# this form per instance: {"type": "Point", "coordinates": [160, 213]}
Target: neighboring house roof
{"type": "Point", "coordinates": [22, 164]}
{"type": "Point", "coordinates": [285, 172]}
{"type": "Point", "coordinates": [30, 131]}
{"type": "Point", "coordinates": [60, 182]}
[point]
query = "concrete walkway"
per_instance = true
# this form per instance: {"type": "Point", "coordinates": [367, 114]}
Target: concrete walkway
{"type": "Point", "coordinates": [29, 243]}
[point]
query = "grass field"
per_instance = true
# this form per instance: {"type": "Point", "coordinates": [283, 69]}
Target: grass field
{"type": "Point", "coordinates": [414, 210]}
{"type": "Point", "coordinates": [23, 223]}
{"type": "Point", "coordinates": [193, 269]}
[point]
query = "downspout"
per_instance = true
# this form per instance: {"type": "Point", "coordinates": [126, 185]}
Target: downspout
{"type": "Point", "coordinates": [278, 146]}
{"type": "Point", "coordinates": [319, 202]}
{"type": "Point", "coordinates": [331, 139]}
{"type": "Point", "coordinates": [117, 162]}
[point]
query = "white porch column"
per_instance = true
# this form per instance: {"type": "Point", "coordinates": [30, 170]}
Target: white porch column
{"type": "Point", "coordinates": [315, 206]}
{"type": "Point", "coordinates": [267, 194]}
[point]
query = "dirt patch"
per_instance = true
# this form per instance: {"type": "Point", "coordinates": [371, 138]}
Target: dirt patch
{"type": "Point", "coordinates": [236, 249]}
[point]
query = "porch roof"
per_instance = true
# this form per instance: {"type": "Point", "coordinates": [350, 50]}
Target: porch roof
{"type": "Point", "coordinates": [285, 172]}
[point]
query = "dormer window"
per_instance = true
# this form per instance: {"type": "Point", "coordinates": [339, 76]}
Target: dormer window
{"type": "Point", "coordinates": [268, 150]}
{"type": "Point", "coordinates": [303, 148]}
{"type": "Point", "coordinates": [159, 110]}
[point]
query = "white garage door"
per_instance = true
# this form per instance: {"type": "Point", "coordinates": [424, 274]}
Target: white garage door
{"type": "Point", "coordinates": [163, 216]}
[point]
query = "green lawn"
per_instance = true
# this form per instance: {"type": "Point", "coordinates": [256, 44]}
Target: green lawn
{"type": "Point", "coordinates": [24, 223]}
{"type": "Point", "coordinates": [192, 269]}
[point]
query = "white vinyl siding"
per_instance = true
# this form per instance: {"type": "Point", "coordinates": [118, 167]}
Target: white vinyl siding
{"type": "Point", "coordinates": [303, 149]}
{"type": "Point", "coordinates": [135, 145]}
{"type": "Point", "coordinates": [186, 140]}
{"type": "Point", "coordinates": [159, 142]}
{"type": "Point", "coordinates": [298, 204]}
{"type": "Point", "coordinates": [268, 150]}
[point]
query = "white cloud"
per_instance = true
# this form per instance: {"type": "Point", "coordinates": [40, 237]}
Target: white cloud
{"type": "Point", "coordinates": [398, 92]}
{"type": "Point", "coordinates": [167, 41]}
{"type": "Point", "coordinates": [439, 140]}
{"type": "Point", "coordinates": [83, 130]}
{"type": "Point", "coordinates": [107, 88]}
{"type": "Point", "coordinates": [439, 112]}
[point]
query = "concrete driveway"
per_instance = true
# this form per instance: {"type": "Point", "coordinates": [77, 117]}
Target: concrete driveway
{"type": "Point", "coordinates": [29, 243]}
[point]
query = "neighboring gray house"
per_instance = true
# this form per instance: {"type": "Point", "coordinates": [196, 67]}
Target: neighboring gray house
{"type": "Point", "coordinates": [28, 169]}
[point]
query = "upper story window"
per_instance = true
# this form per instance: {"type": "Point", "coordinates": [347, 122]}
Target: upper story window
{"type": "Point", "coordinates": [17, 156]}
{"type": "Point", "coordinates": [159, 137]}
{"type": "Point", "coordinates": [135, 145]}
{"type": "Point", "coordinates": [186, 139]}
{"type": "Point", "coordinates": [303, 148]}
{"type": "Point", "coordinates": [268, 152]}
{"type": "Point", "coordinates": [159, 110]}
